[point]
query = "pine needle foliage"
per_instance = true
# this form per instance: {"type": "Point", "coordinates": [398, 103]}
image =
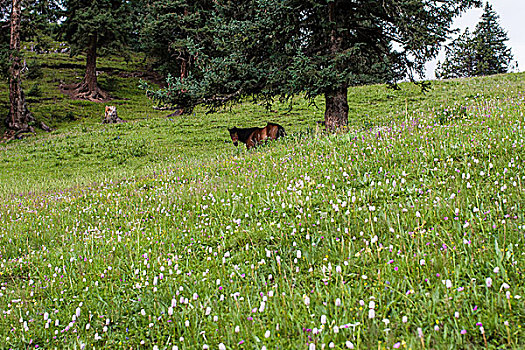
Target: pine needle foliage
{"type": "Point", "coordinates": [109, 21]}
{"type": "Point", "coordinates": [280, 48]}
{"type": "Point", "coordinates": [171, 30]}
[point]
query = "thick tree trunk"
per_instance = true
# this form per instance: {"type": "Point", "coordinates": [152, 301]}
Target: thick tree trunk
{"type": "Point", "coordinates": [90, 78]}
{"type": "Point", "coordinates": [89, 89]}
{"type": "Point", "coordinates": [336, 112]}
{"type": "Point", "coordinates": [185, 59]}
{"type": "Point", "coordinates": [19, 118]}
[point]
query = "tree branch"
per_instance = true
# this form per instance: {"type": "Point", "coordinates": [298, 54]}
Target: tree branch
{"type": "Point", "coordinates": [221, 100]}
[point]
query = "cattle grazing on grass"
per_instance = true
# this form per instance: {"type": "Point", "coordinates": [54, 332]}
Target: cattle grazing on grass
{"type": "Point", "coordinates": [253, 137]}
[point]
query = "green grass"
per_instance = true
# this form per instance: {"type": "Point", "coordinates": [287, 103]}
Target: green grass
{"type": "Point", "coordinates": [157, 233]}
{"type": "Point", "coordinates": [85, 151]}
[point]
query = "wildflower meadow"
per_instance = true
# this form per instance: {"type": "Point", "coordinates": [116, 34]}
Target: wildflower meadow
{"type": "Point", "coordinates": [408, 233]}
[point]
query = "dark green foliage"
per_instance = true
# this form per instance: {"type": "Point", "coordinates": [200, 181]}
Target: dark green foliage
{"type": "Point", "coordinates": [460, 58]}
{"type": "Point", "coordinates": [282, 48]}
{"type": "Point", "coordinates": [484, 52]}
{"type": "Point", "coordinates": [34, 70]}
{"type": "Point", "coordinates": [493, 55]}
{"type": "Point", "coordinates": [34, 91]}
{"type": "Point", "coordinates": [4, 60]}
{"type": "Point", "coordinates": [172, 29]}
{"type": "Point", "coordinates": [106, 20]}
{"type": "Point", "coordinates": [40, 20]}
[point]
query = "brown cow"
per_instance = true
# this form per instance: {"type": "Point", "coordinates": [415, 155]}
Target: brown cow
{"type": "Point", "coordinates": [253, 137]}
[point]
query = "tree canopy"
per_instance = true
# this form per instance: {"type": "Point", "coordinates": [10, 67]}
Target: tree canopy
{"type": "Point", "coordinates": [107, 20]}
{"type": "Point", "coordinates": [170, 30]}
{"type": "Point", "coordinates": [280, 48]}
{"type": "Point", "coordinates": [482, 52]}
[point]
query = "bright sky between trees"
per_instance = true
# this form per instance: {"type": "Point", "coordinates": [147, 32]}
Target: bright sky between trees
{"type": "Point", "coordinates": [511, 19]}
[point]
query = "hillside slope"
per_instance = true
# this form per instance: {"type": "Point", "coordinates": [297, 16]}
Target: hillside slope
{"type": "Point", "coordinates": [407, 232]}
{"type": "Point", "coordinates": [81, 150]}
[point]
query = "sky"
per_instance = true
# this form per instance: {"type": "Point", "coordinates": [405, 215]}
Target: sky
{"type": "Point", "coordinates": [511, 19]}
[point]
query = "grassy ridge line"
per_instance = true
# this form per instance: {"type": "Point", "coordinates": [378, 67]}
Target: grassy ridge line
{"type": "Point", "coordinates": [357, 240]}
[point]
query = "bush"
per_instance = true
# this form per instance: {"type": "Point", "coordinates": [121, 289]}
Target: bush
{"type": "Point", "coordinates": [34, 91]}
{"type": "Point", "coordinates": [34, 70]}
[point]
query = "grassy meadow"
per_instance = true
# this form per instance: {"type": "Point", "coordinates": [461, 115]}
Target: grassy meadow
{"type": "Point", "coordinates": [407, 232]}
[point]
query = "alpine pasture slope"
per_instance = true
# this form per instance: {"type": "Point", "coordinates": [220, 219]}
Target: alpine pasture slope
{"type": "Point", "coordinates": [407, 232]}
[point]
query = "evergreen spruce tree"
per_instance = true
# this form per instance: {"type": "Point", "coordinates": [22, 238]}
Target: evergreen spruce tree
{"type": "Point", "coordinates": [40, 22]}
{"type": "Point", "coordinates": [282, 48]}
{"type": "Point", "coordinates": [16, 25]}
{"type": "Point", "coordinates": [38, 18]}
{"type": "Point", "coordinates": [492, 54]}
{"type": "Point", "coordinates": [484, 52]}
{"type": "Point", "coordinates": [460, 58]}
{"type": "Point", "coordinates": [174, 33]}
{"type": "Point", "coordinates": [171, 28]}
{"type": "Point", "coordinates": [95, 28]}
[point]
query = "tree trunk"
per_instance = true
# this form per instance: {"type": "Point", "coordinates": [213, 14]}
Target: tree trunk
{"type": "Point", "coordinates": [89, 89]}
{"type": "Point", "coordinates": [336, 112]}
{"type": "Point", "coordinates": [19, 118]}
{"type": "Point", "coordinates": [90, 78]}
{"type": "Point", "coordinates": [185, 59]}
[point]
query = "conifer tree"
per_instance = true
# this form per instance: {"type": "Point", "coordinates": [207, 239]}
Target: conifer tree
{"type": "Point", "coordinates": [40, 21]}
{"type": "Point", "coordinates": [16, 25]}
{"type": "Point", "coordinates": [460, 58]}
{"type": "Point", "coordinates": [95, 28]}
{"type": "Point", "coordinates": [482, 52]}
{"type": "Point", "coordinates": [282, 48]}
{"type": "Point", "coordinates": [492, 54]}
{"type": "Point", "coordinates": [171, 28]}
{"type": "Point", "coordinates": [174, 33]}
